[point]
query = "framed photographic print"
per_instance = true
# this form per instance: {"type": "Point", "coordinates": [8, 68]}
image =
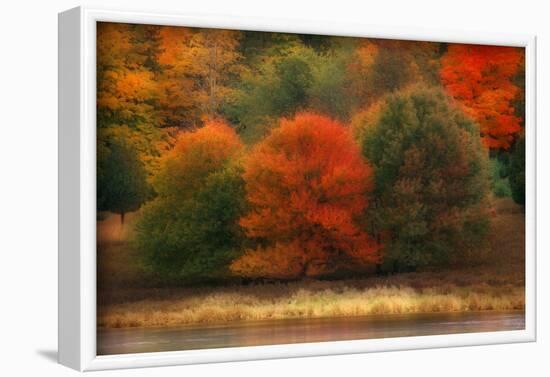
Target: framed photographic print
{"type": "Point", "coordinates": [236, 189]}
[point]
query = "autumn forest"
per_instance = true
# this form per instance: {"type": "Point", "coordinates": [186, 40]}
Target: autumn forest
{"type": "Point", "coordinates": [248, 176]}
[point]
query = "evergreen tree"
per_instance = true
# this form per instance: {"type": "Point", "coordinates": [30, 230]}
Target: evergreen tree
{"type": "Point", "coordinates": [121, 178]}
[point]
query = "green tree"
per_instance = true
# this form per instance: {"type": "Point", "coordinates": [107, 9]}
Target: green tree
{"type": "Point", "coordinates": [277, 86]}
{"type": "Point", "coordinates": [517, 171]}
{"type": "Point", "coordinates": [256, 46]}
{"type": "Point", "coordinates": [286, 75]}
{"type": "Point", "coordinates": [195, 239]}
{"type": "Point", "coordinates": [500, 184]}
{"type": "Point", "coordinates": [290, 92]}
{"type": "Point", "coordinates": [121, 178]}
{"type": "Point", "coordinates": [189, 232]}
{"type": "Point", "coordinates": [431, 180]}
{"type": "Point", "coordinates": [328, 93]}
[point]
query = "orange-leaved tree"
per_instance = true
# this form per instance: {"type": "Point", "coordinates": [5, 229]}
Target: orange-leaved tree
{"type": "Point", "coordinates": [126, 87]}
{"type": "Point", "coordinates": [199, 65]}
{"type": "Point", "coordinates": [481, 78]}
{"type": "Point", "coordinates": [128, 92]}
{"type": "Point", "coordinates": [196, 155]}
{"type": "Point", "coordinates": [306, 186]}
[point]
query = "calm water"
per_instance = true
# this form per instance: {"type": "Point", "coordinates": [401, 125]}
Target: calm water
{"type": "Point", "coordinates": [134, 340]}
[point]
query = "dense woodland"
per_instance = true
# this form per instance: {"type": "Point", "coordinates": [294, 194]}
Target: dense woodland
{"type": "Point", "coordinates": [255, 155]}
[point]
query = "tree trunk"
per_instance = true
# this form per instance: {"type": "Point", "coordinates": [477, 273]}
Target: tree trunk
{"type": "Point", "coordinates": [122, 219]}
{"type": "Point", "coordinates": [303, 273]}
{"type": "Point", "coordinates": [379, 264]}
{"type": "Point", "coordinates": [396, 266]}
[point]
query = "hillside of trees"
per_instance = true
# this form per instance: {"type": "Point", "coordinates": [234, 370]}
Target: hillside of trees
{"type": "Point", "coordinates": [251, 155]}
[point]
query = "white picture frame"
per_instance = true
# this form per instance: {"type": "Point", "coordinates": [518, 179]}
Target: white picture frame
{"type": "Point", "coordinates": [77, 204]}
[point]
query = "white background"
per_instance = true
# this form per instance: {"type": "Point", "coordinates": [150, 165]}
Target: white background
{"type": "Point", "coordinates": [28, 185]}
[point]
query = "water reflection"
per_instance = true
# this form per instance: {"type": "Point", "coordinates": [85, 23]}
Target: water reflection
{"type": "Point", "coordinates": [247, 333]}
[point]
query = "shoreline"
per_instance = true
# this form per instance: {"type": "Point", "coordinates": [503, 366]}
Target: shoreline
{"type": "Point", "coordinates": [497, 282]}
{"type": "Point", "coordinates": [371, 317]}
{"type": "Point", "coordinates": [256, 333]}
{"type": "Point", "coordinates": [210, 308]}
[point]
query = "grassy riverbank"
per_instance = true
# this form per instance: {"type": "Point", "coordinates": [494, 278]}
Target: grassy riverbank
{"type": "Point", "coordinates": [126, 299]}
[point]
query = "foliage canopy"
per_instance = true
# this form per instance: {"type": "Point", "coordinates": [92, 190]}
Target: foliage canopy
{"type": "Point", "coordinates": [189, 232]}
{"type": "Point", "coordinates": [431, 180]}
{"type": "Point", "coordinates": [306, 185]}
{"type": "Point", "coordinates": [302, 199]}
{"type": "Point", "coordinates": [481, 78]}
{"type": "Point", "coordinates": [121, 178]}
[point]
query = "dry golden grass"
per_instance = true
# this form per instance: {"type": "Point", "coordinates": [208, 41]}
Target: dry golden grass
{"type": "Point", "coordinates": [238, 304]}
{"type": "Point", "coordinates": [126, 299]}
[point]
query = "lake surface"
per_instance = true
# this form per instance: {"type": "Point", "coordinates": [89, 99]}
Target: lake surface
{"type": "Point", "coordinates": [267, 332]}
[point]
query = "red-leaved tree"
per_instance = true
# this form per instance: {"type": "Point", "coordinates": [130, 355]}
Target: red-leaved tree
{"type": "Point", "coordinates": [481, 78]}
{"type": "Point", "coordinates": [306, 185]}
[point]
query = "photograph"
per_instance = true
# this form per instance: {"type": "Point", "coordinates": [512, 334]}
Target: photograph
{"type": "Point", "coordinates": [263, 188]}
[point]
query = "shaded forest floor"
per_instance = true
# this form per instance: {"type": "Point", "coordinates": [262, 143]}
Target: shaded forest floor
{"type": "Point", "coordinates": [127, 298]}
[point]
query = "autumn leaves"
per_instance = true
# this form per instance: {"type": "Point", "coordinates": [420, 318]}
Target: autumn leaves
{"type": "Point", "coordinates": [486, 80]}
{"type": "Point", "coordinates": [309, 200]}
{"type": "Point", "coordinates": [266, 155]}
{"type": "Point", "coordinates": [190, 230]}
{"type": "Point", "coordinates": [287, 208]}
{"type": "Point", "coordinates": [306, 186]}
